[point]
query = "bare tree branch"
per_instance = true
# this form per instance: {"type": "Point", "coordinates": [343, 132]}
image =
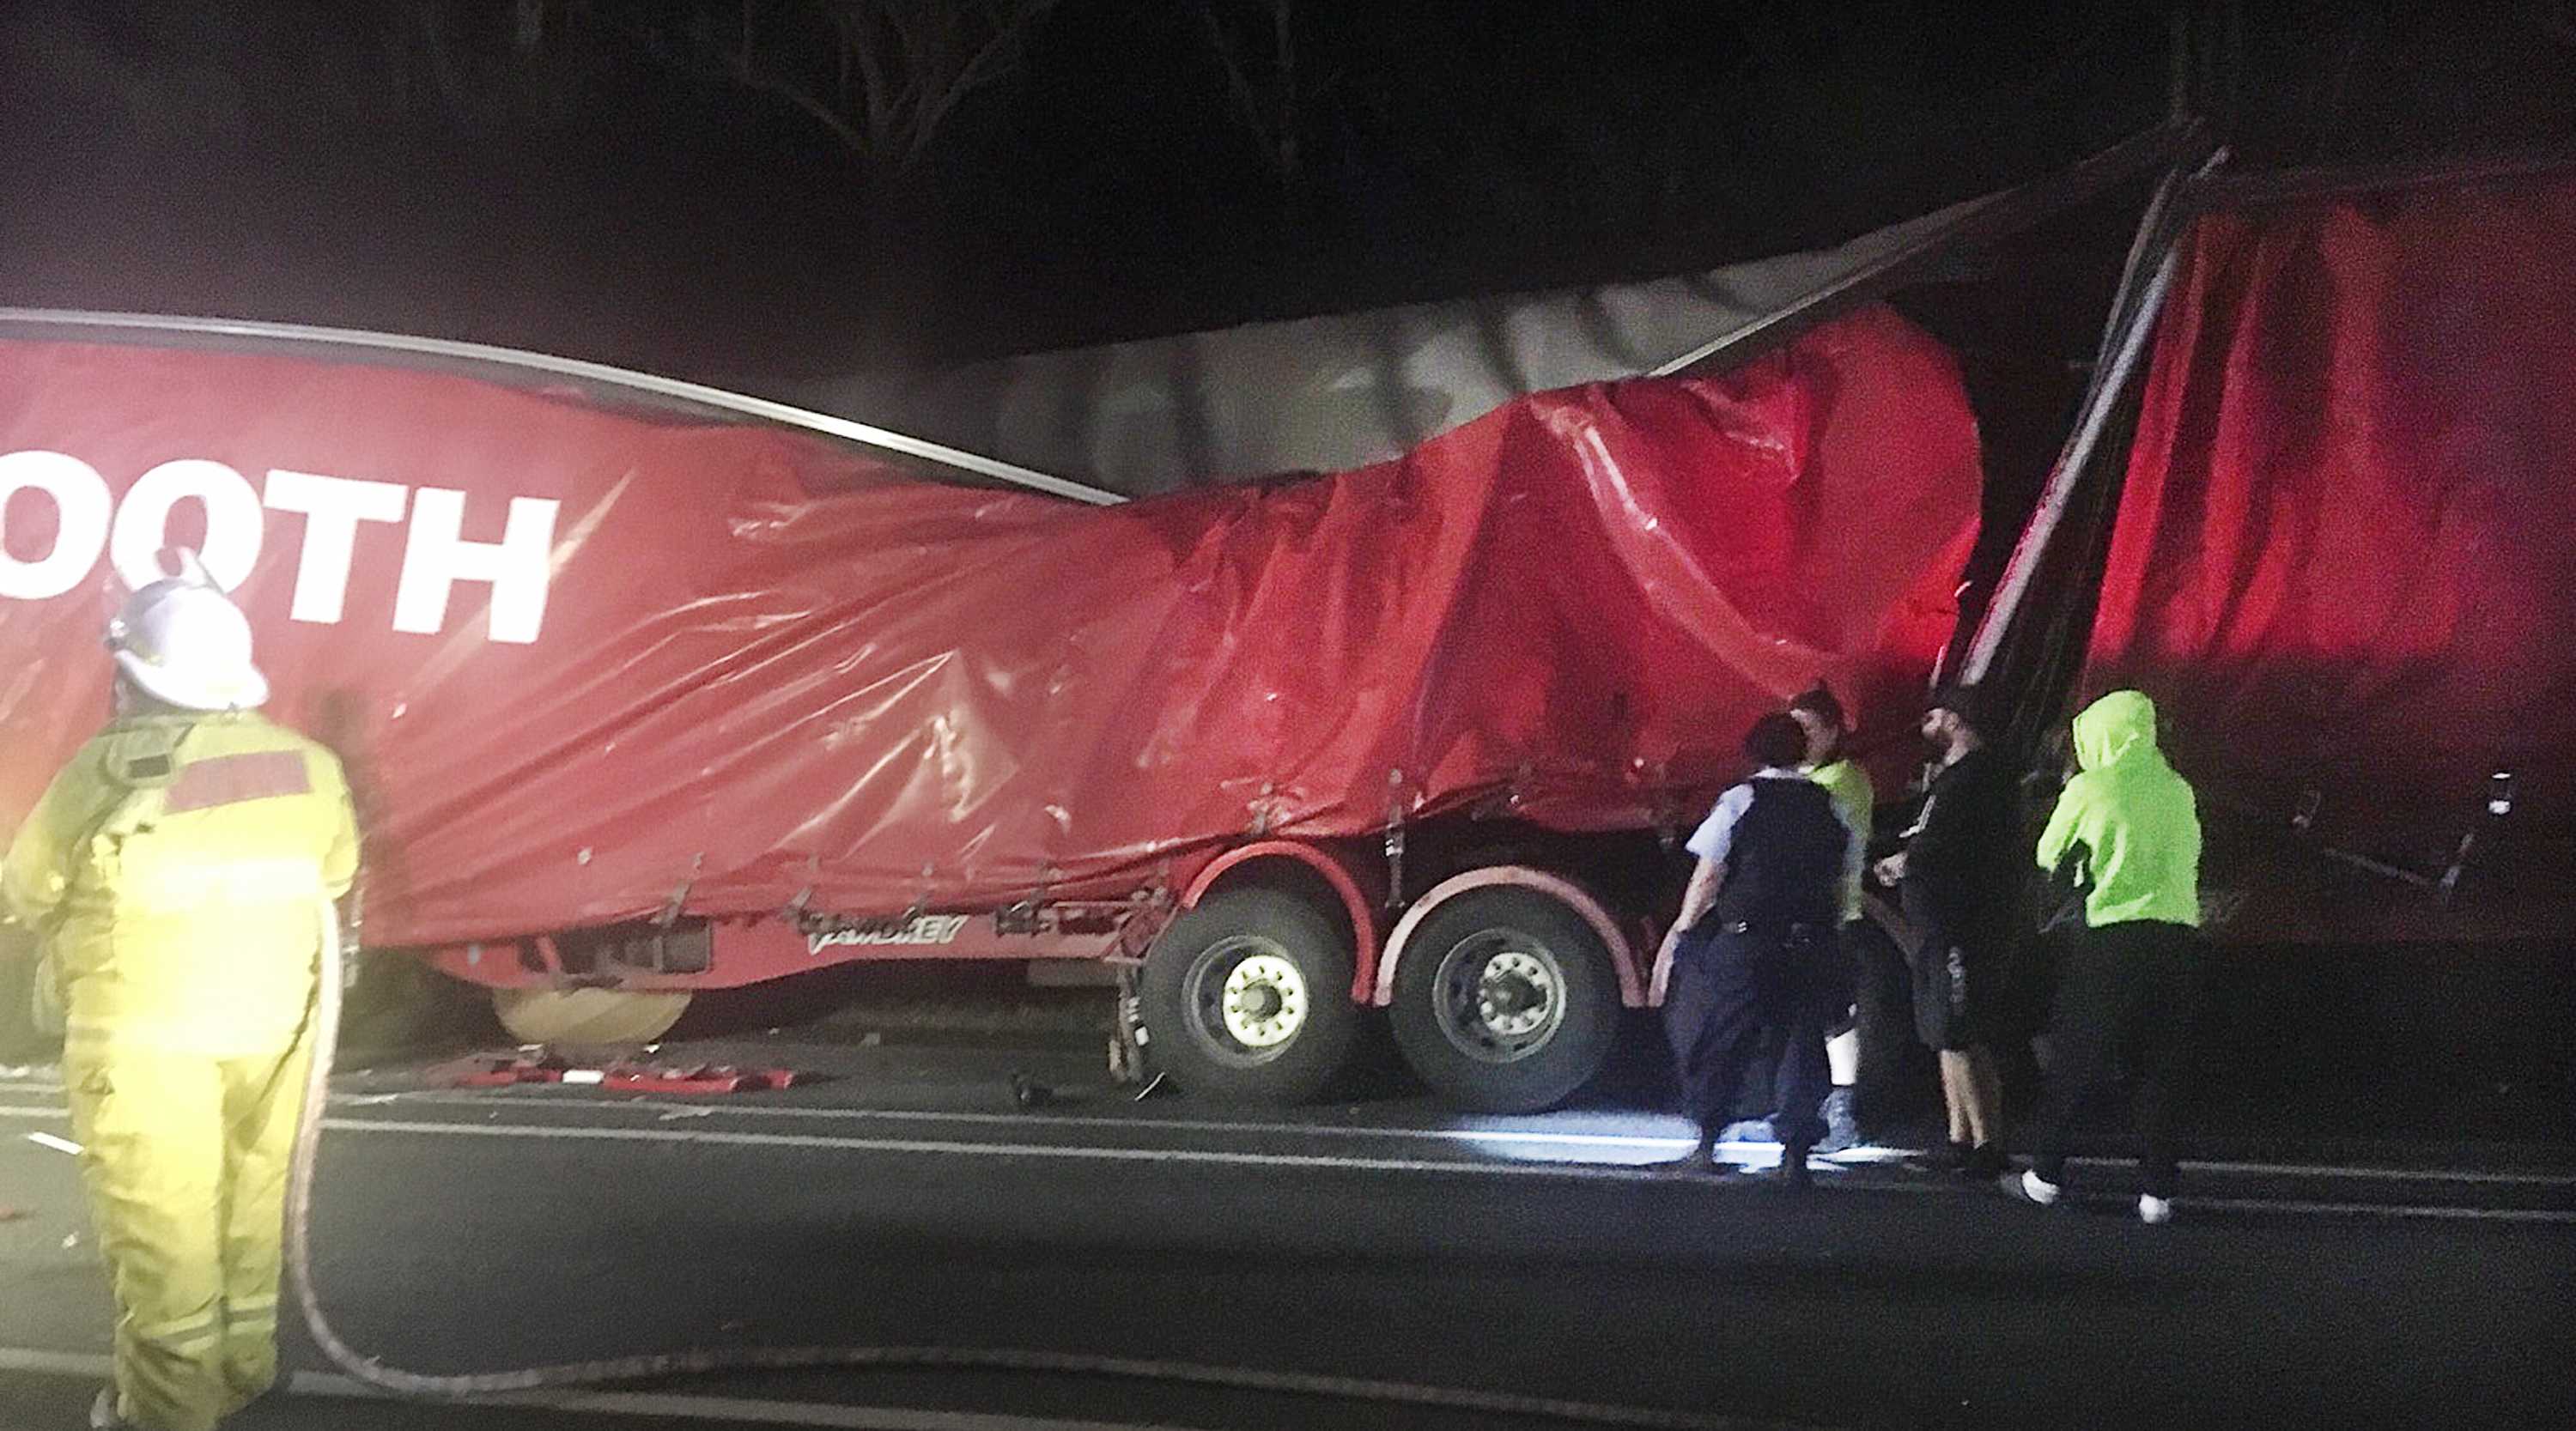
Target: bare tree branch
{"type": "Point", "coordinates": [1268, 107]}
{"type": "Point", "coordinates": [883, 77]}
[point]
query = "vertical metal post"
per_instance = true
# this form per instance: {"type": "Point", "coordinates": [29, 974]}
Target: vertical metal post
{"type": "Point", "coordinates": [2062, 482]}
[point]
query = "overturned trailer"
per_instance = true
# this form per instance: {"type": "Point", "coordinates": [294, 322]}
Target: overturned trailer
{"type": "Point", "coordinates": [647, 688]}
{"type": "Point", "coordinates": [636, 703]}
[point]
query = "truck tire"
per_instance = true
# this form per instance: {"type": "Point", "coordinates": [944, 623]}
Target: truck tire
{"type": "Point", "coordinates": [1247, 998]}
{"type": "Point", "coordinates": [1505, 1001]}
{"type": "Point", "coordinates": [587, 1018]}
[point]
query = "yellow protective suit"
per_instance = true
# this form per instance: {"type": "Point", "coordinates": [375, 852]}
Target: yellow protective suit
{"type": "Point", "coordinates": [177, 868]}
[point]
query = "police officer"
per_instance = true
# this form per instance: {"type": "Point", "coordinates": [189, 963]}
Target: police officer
{"type": "Point", "coordinates": [1751, 962]}
{"type": "Point", "coordinates": [178, 870]}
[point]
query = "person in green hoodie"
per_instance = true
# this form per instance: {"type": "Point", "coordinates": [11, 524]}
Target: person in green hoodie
{"type": "Point", "coordinates": [2127, 828]}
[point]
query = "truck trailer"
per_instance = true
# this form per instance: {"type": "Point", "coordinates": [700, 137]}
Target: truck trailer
{"type": "Point", "coordinates": [637, 702]}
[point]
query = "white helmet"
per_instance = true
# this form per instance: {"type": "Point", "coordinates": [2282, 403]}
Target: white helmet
{"type": "Point", "coordinates": [183, 641]}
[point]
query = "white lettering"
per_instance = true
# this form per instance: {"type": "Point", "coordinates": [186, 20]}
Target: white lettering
{"type": "Point", "coordinates": [925, 929]}
{"type": "Point", "coordinates": [233, 522]}
{"type": "Point", "coordinates": [332, 508]}
{"type": "Point", "coordinates": [131, 533]}
{"type": "Point", "coordinates": [438, 556]}
{"type": "Point", "coordinates": [81, 507]}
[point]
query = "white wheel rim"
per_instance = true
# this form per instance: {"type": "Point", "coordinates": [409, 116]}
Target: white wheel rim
{"type": "Point", "coordinates": [1513, 964]}
{"type": "Point", "coordinates": [1499, 997]}
{"type": "Point", "coordinates": [1265, 1001]}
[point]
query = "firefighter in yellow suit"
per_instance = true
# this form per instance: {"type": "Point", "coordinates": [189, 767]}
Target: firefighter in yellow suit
{"type": "Point", "coordinates": [177, 869]}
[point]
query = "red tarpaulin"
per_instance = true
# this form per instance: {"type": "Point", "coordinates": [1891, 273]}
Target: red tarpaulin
{"type": "Point", "coordinates": [581, 662]}
{"type": "Point", "coordinates": [2344, 549]}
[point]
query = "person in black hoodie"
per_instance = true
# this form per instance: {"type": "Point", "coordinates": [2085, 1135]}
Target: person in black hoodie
{"type": "Point", "coordinates": [1956, 880]}
{"type": "Point", "coordinates": [1750, 961]}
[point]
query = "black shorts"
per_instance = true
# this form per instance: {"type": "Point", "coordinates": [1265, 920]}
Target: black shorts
{"type": "Point", "coordinates": [1954, 995]}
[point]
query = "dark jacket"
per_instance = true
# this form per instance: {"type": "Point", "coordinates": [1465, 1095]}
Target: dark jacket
{"type": "Point", "coordinates": [1964, 861]}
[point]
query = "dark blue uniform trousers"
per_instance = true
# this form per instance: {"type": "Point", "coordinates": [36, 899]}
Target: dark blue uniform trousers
{"type": "Point", "coordinates": [1738, 1000]}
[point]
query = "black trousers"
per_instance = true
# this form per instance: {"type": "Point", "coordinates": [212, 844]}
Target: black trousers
{"type": "Point", "coordinates": [2127, 993]}
{"type": "Point", "coordinates": [1737, 1000]}
{"type": "Point", "coordinates": [1896, 1072]}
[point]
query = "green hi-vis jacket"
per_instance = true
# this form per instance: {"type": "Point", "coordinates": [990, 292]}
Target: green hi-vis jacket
{"type": "Point", "coordinates": [2133, 816]}
{"type": "Point", "coordinates": [1856, 803]}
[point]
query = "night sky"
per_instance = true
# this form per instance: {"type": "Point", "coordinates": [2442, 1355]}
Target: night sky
{"type": "Point", "coordinates": [596, 178]}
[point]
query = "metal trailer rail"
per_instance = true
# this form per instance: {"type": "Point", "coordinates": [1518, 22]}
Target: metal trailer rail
{"type": "Point", "coordinates": [482, 358]}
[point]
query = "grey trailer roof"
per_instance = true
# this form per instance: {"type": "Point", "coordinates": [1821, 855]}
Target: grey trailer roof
{"type": "Point", "coordinates": [1343, 390]}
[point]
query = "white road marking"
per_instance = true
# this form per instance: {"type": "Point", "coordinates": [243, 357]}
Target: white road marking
{"type": "Point", "coordinates": [2312, 1170]}
{"type": "Point", "coordinates": [31, 1362]}
{"type": "Point", "coordinates": [1745, 1154]}
{"type": "Point", "coordinates": [1653, 1141]}
{"type": "Point", "coordinates": [735, 1410]}
{"type": "Point", "coordinates": [2367, 1209]}
{"type": "Point", "coordinates": [970, 1148]}
{"type": "Point", "coordinates": [1672, 1142]}
{"type": "Point", "coordinates": [670, 1109]}
{"type": "Point", "coordinates": [732, 1410]}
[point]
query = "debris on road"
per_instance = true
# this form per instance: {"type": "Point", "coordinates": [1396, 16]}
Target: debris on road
{"type": "Point", "coordinates": [489, 1071]}
{"type": "Point", "coordinates": [1029, 1093]}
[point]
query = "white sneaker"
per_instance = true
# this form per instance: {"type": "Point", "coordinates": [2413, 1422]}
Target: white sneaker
{"type": "Point", "coordinates": [102, 1412]}
{"type": "Point", "coordinates": [2031, 1188]}
{"type": "Point", "coordinates": [2154, 1211]}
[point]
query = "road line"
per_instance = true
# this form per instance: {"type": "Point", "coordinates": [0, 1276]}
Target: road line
{"type": "Point", "coordinates": [1059, 1151]}
{"type": "Point", "coordinates": [1592, 1171]}
{"type": "Point", "coordinates": [1596, 1172]}
{"type": "Point", "coordinates": [29, 1361]}
{"type": "Point", "coordinates": [2312, 1170]}
{"type": "Point", "coordinates": [1533, 1136]}
{"type": "Point", "coordinates": [2366, 1209]}
{"type": "Point", "coordinates": [1613, 1172]}
{"type": "Point", "coordinates": [732, 1410]}
{"type": "Point", "coordinates": [1173, 1125]}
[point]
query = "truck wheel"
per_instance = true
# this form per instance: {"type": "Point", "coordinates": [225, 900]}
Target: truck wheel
{"type": "Point", "coordinates": [1248, 998]}
{"type": "Point", "coordinates": [588, 1016]}
{"type": "Point", "coordinates": [1505, 1001]}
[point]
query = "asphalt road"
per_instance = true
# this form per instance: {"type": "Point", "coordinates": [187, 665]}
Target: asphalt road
{"type": "Point", "coordinates": [911, 1203]}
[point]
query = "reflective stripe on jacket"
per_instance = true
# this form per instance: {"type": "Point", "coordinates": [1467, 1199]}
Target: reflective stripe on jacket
{"type": "Point", "coordinates": [176, 866]}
